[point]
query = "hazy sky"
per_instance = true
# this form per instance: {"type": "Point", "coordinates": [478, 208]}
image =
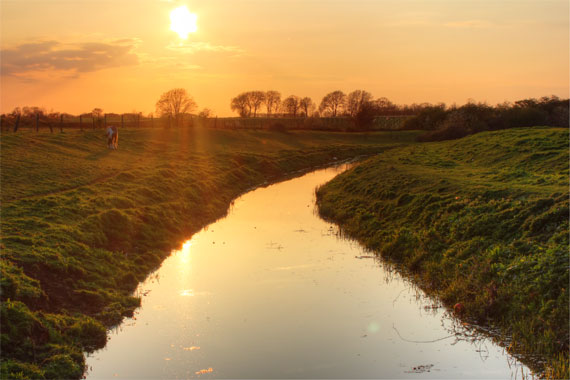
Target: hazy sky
{"type": "Point", "coordinates": [121, 55]}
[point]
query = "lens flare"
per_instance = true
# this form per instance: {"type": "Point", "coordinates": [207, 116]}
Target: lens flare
{"type": "Point", "coordinates": [183, 22]}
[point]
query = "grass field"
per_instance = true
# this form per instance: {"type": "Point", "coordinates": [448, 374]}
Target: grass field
{"type": "Point", "coordinates": [481, 221]}
{"type": "Point", "coordinates": [82, 225]}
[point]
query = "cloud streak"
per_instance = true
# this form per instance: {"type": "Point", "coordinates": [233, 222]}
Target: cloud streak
{"type": "Point", "coordinates": [29, 59]}
{"type": "Point", "coordinates": [469, 24]}
{"type": "Point", "coordinates": [197, 46]}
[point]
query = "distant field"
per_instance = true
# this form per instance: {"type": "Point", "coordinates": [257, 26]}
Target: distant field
{"type": "Point", "coordinates": [82, 225]}
{"type": "Point", "coordinates": [481, 221]}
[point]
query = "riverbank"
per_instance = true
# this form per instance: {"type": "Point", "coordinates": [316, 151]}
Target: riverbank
{"type": "Point", "coordinates": [481, 221]}
{"type": "Point", "coordinates": [82, 225]}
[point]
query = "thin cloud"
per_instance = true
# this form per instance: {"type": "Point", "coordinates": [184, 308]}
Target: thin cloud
{"type": "Point", "coordinates": [170, 63]}
{"type": "Point", "coordinates": [469, 24]}
{"type": "Point", "coordinates": [29, 59]}
{"type": "Point", "coordinates": [197, 46]}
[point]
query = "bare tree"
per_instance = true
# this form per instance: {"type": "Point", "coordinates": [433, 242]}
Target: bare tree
{"type": "Point", "coordinates": [248, 102]}
{"type": "Point", "coordinates": [272, 101]}
{"type": "Point", "coordinates": [17, 111]}
{"type": "Point", "coordinates": [333, 103]}
{"type": "Point", "coordinates": [355, 100]}
{"type": "Point", "coordinates": [97, 113]}
{"type": "Point", "coordinates": [206, 113]}
{"type": "Point", "coordinates": [175, 103]}
{"type": "Point", "coordinates": [33, 111]}
{"type": "Point", "coordinates": [306, 104]}
{"type": "Point", "coordinates": [256, 99]}
{"type": "Point", "coordinates": [240, 104]}
{"type": "Point", "coordinates": [386, 107]}
{"type": "Point", "coordinates": [292, 105]}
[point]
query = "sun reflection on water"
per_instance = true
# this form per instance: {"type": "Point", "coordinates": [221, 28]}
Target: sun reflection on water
{"type": "Point", "coordinates": [184, 252]}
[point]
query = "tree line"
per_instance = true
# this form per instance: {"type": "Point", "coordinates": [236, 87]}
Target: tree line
{"type": "Point", "coordinates": [333, 104]}
{"type": "Point", "coordinates": [359, 106]}
{"type": "Point", "coordinates": [444, 123]}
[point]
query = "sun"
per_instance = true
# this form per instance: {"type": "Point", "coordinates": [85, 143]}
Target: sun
{"type": "Point", "coordinates": [183, 22]}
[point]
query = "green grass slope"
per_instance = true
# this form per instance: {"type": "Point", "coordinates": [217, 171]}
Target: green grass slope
{"type": "Point", "coordinates": [82, 225]}
{"type": "Point", "coordinates": [481, 221]}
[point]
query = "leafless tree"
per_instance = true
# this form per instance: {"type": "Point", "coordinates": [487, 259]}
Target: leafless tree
{"type": "Point", "coordinates": [386, 107]}
{"type": "Point", "coordinates": [291, 105]}
{"type": "Point", "coordinates": [248, 102]}
{"type": "Point", "coordinates": [272, 101]}
{"type": "Point", "coordinates": [333, 103]}
{"type": "Point", "coordinates": [256, 99]}
{"type": "Point", "coordinates": [355, 100]}
{"type": "Point", "coordinates": [17, 111]}
{"type": "Point", "coordinates": [175, 103]}
{"type": "Point", "coordinates": [240, 104]}
{"type": "Point", "coordinates": [306, 104]}
{"type": "Point", "coordinates": [206, 113]}
{"type": "Point", "coordinates": [97, 113]}
{"type": "Point", "coordinates": [33, 111]}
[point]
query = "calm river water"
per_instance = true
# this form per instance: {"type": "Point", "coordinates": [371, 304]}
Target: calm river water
{"type": "Point", "coordinates": [271, 291]}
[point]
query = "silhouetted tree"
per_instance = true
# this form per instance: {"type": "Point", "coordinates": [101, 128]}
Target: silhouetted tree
{"type": "Point", "coordinates": [272, 101]}
{"type": "Point", "coordinates": [355, 100]}
{"type": "Point", "coordinates": [206, 113]}
{"type": "Point", "coordinates": [175, 103]}
{"type": "Point", "coordinates": [366, 114]}
{"type": "Point", "coordinates": [291, 105]}
{"type": "Point", "coordinates": [248, 102]}
{"type": "Point", "coordinates": [240, 104]}
{"type": "Point", "coordinates": [256, 99]}
{"type": "Point", "coordinates": [333, 103]}
{"type": "Point", "coordinates": [306, 104]}
{"type": "Point", "coordinates": [429, 118]}
{"type": "Point", "coordinates": [97, 113]}
{"type": "Point", "coordinates": [386, 107]}
{"type": "Point", "coordinates": [33, 111]}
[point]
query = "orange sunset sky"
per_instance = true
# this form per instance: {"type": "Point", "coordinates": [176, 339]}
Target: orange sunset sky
{"type": "Point", "coordinates": [73, 56]}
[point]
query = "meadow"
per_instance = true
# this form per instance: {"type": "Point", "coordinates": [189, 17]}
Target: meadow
{"type": "Point", "coordinates": [481, 222]}
{"type": "Point", "coordinates": [83, 225]}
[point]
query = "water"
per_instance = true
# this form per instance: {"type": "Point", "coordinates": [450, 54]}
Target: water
{"type": "Point", "coordinates": [271, 291]}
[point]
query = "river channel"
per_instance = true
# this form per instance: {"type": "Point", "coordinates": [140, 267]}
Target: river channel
{"type": "Point", "coordinates": [273, 291]}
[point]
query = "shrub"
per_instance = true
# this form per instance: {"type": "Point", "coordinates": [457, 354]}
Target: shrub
{"type": "Point", "coordinates": [62, 366]}
{"type": "Point", "coordinates": [13, 369]}
{"type": "Point", "coordinates": [89, 333]}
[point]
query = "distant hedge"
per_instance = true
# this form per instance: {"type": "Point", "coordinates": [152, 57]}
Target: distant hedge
{"type": "Point", "coordinates": [442, 123]}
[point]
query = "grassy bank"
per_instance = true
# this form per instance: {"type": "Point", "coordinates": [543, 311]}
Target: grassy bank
{"type": "Point", "coordinates": [481, 221]}
{"type": "Point", "coordinates": [82, 225]}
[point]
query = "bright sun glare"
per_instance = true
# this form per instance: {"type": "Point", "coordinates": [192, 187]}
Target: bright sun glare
{"type": "Point", "coordinates": [183, 22]}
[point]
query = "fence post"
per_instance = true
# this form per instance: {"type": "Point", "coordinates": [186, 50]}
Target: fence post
{"type": "Point", "coordinates": [61, 123]}
{"type": "Point", "coordinates": [17, 123]}
{"type": "Point", "coordinates": [37, 122]}
{"type": "Point", "coordinates": [80, 122]}
{"type": "Point", "coordinates": [138, 120]}
{"type": "Point", "coordinates": [122, 120]}
{"type": "Point", "coordinates": [93, 121]}
{"type": "Point", "coordinates": [105, 122]}
{"type": "Point", "coordinates": [152, 121]}
{"type": "Point", "coordinates": [50, 126]}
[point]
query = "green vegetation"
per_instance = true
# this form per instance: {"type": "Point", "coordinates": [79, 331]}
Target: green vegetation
{"type": "Point", "coordinates": [481, 221]}
{"type": "Point", "coordinates": [82, 225]}
{"type": "Point", "coordinates": [443, 123]}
